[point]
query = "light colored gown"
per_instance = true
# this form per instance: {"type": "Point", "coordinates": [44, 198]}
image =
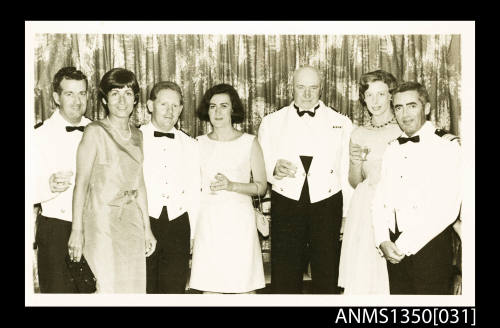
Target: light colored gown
{"type": "Point", "coordinates": [226, 254]}
{"type": "Point", "coordinates": [112, 220]}
{"type": "Point", "coordinates": [362, 269]}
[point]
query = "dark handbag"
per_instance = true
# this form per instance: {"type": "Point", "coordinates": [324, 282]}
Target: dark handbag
{"type": "Point", "coordinates": [81, 275]}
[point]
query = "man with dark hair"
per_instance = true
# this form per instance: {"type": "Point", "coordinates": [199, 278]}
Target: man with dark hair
{"type": "Point", "coordinates": [172, 178]}
{"type": "Point", "coordinates": [306, 152]}
{"type": "Point", "coordinates": [417, 199]}
{"type": "Point", "coordinates": [54, 158]}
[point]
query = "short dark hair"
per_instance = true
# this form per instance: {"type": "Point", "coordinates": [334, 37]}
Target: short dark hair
{"type": "Point", "coordinates": [118, 78]}
{"type": "Point", "coordinates": [165, 85]}
{"type": "Point", "coordinates": [423, 95]}
{"type": "Point", "coordinates": [378, 75]}
{"type": "Point", "coordinates": [68, 73]}
{"type": "Point", "coordinates": [238, 113]}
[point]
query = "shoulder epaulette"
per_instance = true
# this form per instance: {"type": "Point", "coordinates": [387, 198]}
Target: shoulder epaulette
{"type": "Point", "coordinates": [448, 136]}
{"type": "Point", "coordinates": [440, 132]}
{"type": "Point", "coordinates": [38, 125]}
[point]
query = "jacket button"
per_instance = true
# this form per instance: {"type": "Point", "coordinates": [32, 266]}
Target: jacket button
{"type": "Point", "coordinates": [329, 190]}
{"type": "Point", "coordinates": [281, 189]}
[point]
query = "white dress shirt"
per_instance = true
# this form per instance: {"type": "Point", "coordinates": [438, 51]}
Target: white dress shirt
{"type": "Point", "coordinates": [54, 150]}
{"type": "Point", "coordinates": [285, 135]}
{"type": "Point", "coordinates": [420, 185]}
{"type": "Point", "coordinates": [171, 174]}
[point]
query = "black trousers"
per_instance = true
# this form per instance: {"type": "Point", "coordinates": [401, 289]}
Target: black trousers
{"type": "Point", "coordinates": [302, 231]}
{"type": "Point", "coordinates": [167, 268]}
{"type": "Point", "coordinates": [428, 272]}
{"type": "Point", "coordinates": [52, 237]}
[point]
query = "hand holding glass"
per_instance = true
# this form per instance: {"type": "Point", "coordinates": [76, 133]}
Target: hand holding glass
{"type": "Point", "coordinates": [364, 152]}
{"type": "Point", "coordinates": [217, 183]}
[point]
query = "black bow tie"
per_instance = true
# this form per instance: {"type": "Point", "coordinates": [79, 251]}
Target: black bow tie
{"type": "Point", "coordinates": [162, 134]}
{"type": "Point", "coordinates": [403, 140]}
{"type": "Point", "coordinates": [302, 112]}
{"type": "Point", "coordinates": [73, 128]}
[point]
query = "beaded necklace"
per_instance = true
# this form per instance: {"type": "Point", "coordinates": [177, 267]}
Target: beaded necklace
{"type": "Point", "coordinates": [392, 120]}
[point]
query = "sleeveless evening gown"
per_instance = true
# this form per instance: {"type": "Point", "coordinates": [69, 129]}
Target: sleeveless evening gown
{"type": "Point", "coordinates": [362, 269]}
{"type": "Point", "coordinates": [112, 220]}
{"type": "Point", "coordinates": [226, 254]}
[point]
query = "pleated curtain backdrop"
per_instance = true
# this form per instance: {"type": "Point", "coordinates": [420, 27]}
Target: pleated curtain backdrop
{"type": "Point", "coordinates": [260, 67]}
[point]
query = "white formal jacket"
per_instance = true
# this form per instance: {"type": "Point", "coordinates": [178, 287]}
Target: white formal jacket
{"type": "Point", "coordinates": [420, 185]}
{"type": "Point", "coordinates": [282, 135]}
{"type": "Point", "coordinates": [172, 174]}
{"type": "Point", "coordinates": [54, 150]}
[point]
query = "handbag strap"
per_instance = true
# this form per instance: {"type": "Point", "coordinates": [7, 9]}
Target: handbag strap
{"type": "Point", "coordinates": [258, 196]}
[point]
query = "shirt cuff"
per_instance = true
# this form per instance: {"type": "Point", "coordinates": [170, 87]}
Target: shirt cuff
{"type": "Point", "coordinates": [381, 237]}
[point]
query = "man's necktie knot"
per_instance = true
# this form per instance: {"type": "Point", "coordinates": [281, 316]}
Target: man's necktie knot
{"type": "Point", "coordinates": [73, 128]}
{"type": "Point", "coordinates": [163, 134]}
{"type": "Point", "coordinates": [403, 140]}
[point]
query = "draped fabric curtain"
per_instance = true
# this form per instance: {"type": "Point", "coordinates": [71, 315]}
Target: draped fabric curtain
{"type": "Point", "coordinates": [260, 67]}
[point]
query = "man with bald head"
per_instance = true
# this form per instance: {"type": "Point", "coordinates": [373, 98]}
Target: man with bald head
{"type": "Point", "coordinates": [306, 152]}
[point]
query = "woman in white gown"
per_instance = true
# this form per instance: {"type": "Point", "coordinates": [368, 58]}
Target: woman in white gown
{"type": "Point", "coordinates": [226, 254]}
{"type": "Point", "coordinates": [362, 269]}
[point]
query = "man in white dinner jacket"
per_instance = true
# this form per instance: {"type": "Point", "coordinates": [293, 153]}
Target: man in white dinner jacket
{"type": "Point", "coordinates": [172, 178]}
{"type": "Point", "coordinates": [306, 152]}
{"type": "Point", "coordinates": [417, 199]}
{"type": "Point", "coordinates": [55, 143]}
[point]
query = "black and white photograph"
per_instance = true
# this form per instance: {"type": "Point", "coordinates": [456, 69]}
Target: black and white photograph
{"type": "Point", "coordinates": [237, 163]}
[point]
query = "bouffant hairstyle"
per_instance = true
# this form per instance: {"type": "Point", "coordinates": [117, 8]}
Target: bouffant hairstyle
{"type": "Point", "coordinates": [238, 113]}
{"type": "Point", "coordinates": [378, 75]}
{"type": "Point", "coordinates": [118, 78]}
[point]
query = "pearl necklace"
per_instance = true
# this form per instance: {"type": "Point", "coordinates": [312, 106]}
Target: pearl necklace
{"type": "Point", "coordinates": [118, 131]}
{"type": "Point", "coordinates": [392, 120]}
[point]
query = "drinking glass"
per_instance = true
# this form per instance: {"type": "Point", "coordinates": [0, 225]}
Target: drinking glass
{"type": "Point", "coordinates": [364, 152]}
